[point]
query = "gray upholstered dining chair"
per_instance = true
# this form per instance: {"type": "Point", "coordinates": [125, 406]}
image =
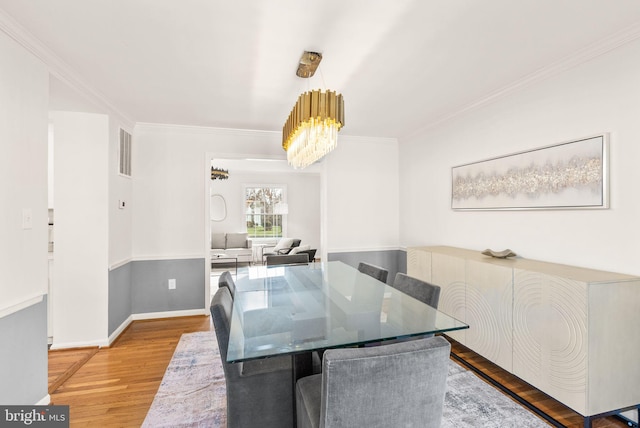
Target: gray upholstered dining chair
{"type": "Point", "coordinates": [226, 280]}
{"type": "Point", "coordinates": [259, 392]}
{"type": "Point", "coordinates": [288, 259]}
{"type": "Point", "coordinates": [397, 385]}
{"type": "Point", "coordinates": [418, 289]}
{"type": "Point", "coordinates": [374, 271]}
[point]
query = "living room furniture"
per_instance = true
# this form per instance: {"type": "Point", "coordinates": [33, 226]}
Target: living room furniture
{"type": "Point", "coordinates": [258, 250]}
{"type": "Point", "coordinates": [569, 331]}
{"type": "Point", "coordinates": [218, 258]}
{"type": "Point", "coordinates": [288, 259]}
{"type": "Point", "coordinates": [396, 385]}
{"type": "Point", "coordinates": [232, 244]}
{"type": "Point", "coordinates": [374, 271]}
{"type": "Point", "coordinates": [258, 392]}
{"type": "Point", "coordinates": [311, 253]}
{"type": "Point", "coordinates": [283, 246]}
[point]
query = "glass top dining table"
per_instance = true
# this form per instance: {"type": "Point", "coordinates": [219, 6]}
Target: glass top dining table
{"type": "Point", "coordinates": [296, 309]}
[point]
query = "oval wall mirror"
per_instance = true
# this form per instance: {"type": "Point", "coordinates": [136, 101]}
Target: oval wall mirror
{"type": "Point", "coordinates": [218, 208]}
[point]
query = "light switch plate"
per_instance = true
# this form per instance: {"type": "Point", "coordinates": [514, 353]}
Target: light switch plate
{"type": "Point", "coordinates": [27, 218]}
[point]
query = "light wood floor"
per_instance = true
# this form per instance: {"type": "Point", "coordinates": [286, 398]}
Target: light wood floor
{"type": "Point", "coordinates": [115, 386]}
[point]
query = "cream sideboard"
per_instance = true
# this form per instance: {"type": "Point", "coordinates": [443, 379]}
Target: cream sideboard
{"type": "Point", "coordinates": [571, 332]}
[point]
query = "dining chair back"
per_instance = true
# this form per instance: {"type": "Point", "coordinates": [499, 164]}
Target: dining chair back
{"type": "Point", "coordinates": [397, 385]}
{"type": "Point", "coordinates": [226, 280]}
{"type": "Point", "coordinates": [418, 289]}
{"type": "Point", "coordinates": [259, 392]}
{"type": "Point", "coordinates": [374, 271]}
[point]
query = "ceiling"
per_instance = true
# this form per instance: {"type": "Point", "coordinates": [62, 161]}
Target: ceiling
{"type": "Point", "coordinates": [401, 65]}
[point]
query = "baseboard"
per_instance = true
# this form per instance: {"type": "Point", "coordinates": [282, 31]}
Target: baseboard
{"type": "Point", "coordinates": [169, 314]}
{"type": "Point", "coordinates": [45, 401]}
{"type": "Point", "coordinates": [118, 331]}
{"type": "Point", "coordinates": [68, 345]}
{"type": "Point", "coordinates": [125, 324]}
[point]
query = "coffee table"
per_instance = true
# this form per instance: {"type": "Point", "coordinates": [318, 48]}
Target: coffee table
{"type": "Point", "coordinates": [220, 258]}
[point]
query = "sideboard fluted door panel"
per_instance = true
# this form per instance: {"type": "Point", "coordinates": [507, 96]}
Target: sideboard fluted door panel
{"type": "Point", "coordinates": [550, 335]}
{"type": "Point", "coordinates": [574, 330]}
{"type": "Point", "coordinates": [489, 295]}
{"type": "Point", "coordinates": [419, 264]}
{"type": "Point", "coordinates": [449, 273]}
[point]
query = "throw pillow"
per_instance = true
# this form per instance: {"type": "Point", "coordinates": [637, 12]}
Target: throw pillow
{"type": "Point", "coordinates": [296, 250]}
{"type": "Point", "coordinates": [282, 244]}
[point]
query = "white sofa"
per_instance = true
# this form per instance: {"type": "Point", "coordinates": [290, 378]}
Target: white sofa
{"type": "Point", "coordinates": [233, 245]}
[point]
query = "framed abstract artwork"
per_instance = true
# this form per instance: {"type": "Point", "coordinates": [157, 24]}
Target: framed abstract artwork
{"type": "Point", "coordinates": [571, 175]}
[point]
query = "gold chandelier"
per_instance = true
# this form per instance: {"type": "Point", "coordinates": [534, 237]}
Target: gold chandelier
{"type": "Point", "coordinates": [311, 131]}
{"type": "Point", "coordinates": [219, 173]}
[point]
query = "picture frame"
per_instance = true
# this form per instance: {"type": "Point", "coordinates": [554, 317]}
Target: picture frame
{"type": "Point", "coordinates": [569, 175]}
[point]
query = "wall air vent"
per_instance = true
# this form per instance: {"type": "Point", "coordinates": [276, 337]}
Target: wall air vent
{"type": "Point", "coordinates": [125, 153]}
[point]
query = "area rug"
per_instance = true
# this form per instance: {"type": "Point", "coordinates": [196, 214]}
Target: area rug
{"type": "Point", "coordinates": [471, 402]}
{"type": "Point", "coordinates": [192, 394]}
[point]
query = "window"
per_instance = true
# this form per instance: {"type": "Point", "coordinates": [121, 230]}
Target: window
{"type": "Point", "coordinates": [265, 208]}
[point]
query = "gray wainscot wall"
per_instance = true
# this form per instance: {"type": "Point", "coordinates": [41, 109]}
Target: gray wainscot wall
{"type": "Point", "coordinates": [141, 287]}
{"type": "Point", "coordinates": [392, 260]}
{"type": "Point", "coordinates": [23, 355]}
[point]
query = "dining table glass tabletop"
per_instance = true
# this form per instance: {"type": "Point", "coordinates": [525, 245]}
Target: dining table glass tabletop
{"type": "Point", "coordinates": [293, 309]}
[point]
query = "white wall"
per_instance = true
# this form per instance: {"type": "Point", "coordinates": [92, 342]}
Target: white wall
{"type": "Point", "coordinates": [361, 194]}
{"type": "Point", "coordinates": [64, 97]}
{"type": "Point", "coordinates": [358, 188]}
{"type": "Point", "coordinates": [120, 189]}
{"type": "Point", "coordinates": [24, 89]}
{"type": "Point", "coordinates": [303, 198]}
{"type": "Point", "coordinates": [23, 172]}
{"type": "Point", "coordinates": [81, 158]}
{"type": "Point", "coordinates": [602, 95]}
{"type": "Point", "coordinates": [171, 169]}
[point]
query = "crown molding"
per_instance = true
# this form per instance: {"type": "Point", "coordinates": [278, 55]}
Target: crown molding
{"type": "Point", "coordinates": [206, 130]}
{"type": "Point", "coordinates": [57, 67]}
{"type": "Point", "coordinates": [367, 140]}
{"type": "Point", "coordinates": [599, 48]}
{"type": "Point", "coordinates": [224, 132]}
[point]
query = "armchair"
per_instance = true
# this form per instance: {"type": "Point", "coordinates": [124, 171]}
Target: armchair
{"type": "Point", "coordinates": [304, 249]}
{"type": "Point", "coordinates": [288, 259]}
{"type": "Point", "coordinates": [283, 246]}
